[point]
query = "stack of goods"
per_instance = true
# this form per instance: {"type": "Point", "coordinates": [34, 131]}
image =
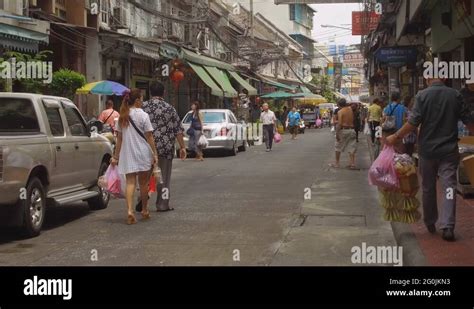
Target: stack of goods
{"type": "Point", "coordinates": [395, 176]}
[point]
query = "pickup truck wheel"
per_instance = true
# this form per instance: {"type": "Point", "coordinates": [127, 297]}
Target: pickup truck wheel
{"type": "Point", "coordinates": [34, 207]}
{"type": "Point", "coordinates": [102, 200]}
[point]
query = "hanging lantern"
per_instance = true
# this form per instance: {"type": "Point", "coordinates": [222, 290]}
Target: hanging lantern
{"type": "Point", "coordinates": [177, 76]}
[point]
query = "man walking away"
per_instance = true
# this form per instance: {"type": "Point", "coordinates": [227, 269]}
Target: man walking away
{"type": "Point", "coordinates": [375, 116]}
{"type": "Point", "coordinates": [109, 115]}
{"type": "Point", "coordinates": [167, 128]}
{"type": "Point", "coordinates": [267, 117]}
{"type": "Point", "coordinates": [293, 121]}
{"type": "Point", "coordinates": [345, 134]}
{"type": "Point", "coordinates": [437, 110]}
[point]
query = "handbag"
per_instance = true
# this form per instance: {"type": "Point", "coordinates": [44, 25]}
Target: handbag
{"type": "Point", "coordinates": [190, 131]}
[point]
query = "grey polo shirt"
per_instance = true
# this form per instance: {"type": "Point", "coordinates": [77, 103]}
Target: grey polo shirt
{"type": "Point", "coordinates": [437, 109]}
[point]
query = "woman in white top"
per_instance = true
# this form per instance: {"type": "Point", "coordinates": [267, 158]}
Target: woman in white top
{"type": "Point", "coordinates": [135, 153]}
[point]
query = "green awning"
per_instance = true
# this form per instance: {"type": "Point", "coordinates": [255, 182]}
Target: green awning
{"type": "Point", "coordinates": [23, 34]}
{"type": "Point", "coordinates": [243, 83]}
{"type": "Point", "coordinates": [281, 95]}
{"type": "Point", "coordinates": [305, 89]}
{"type": "Point", "coordinates": [215, 90]}
{"type": "Point", "coordinates": [221, 78]}
{"type": "Point", "coordinates": [277, 84]}
{"type": "Point", "coordinates": [21, 39]}
{"type": "Point", "coordinates": [204, 60]}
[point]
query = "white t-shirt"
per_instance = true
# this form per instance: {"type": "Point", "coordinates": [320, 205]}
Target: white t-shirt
{"type": "Point", "coordinates": [268, 117]}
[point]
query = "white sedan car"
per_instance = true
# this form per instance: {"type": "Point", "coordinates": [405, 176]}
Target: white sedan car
{"type": "Point", "coordinates": [222, 130]}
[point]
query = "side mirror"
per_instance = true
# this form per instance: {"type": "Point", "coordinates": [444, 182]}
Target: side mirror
{"type": "Point", "coordinates": [94, 126]}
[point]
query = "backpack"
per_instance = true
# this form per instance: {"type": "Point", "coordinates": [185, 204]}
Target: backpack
{"type": "Point", "coordinates": [390, 122]}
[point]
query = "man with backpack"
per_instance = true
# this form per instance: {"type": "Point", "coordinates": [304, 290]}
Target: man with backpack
{"type": "Point", "coordinates": [394, 116]}
{"type": "Point", "coordinates": [109, 115]}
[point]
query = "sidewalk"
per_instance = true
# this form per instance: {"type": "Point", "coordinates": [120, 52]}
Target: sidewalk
{"type": "Point", "coordinates": [442, 253]}
{"type": "Point", "coordinates": [343, 212]}
{"type": "Point", "coordinates": [423, 248]}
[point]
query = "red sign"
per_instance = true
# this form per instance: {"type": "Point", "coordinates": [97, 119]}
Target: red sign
{"type": "Point", "coordinates": [364, 22]}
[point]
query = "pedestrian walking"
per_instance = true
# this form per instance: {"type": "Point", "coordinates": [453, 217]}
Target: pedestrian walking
{"type": "Point", "coordinates": [375, 117]}
{"type": "Point", "coordinates": [135, 153]}
{"type": "Point", "coordinates": [357, 120]}
{"type": "Point", "coordinates": [345, 134]}
{"type": "Point", "coordinates": [195, 130]}
{"type": "Point", "coordinates": [108, 116]}
{"type": "Point", "coordinates": [167, 128]}
{"type": "Point", "coordinates": [267, 117]}
{"type": "Point", "coordinates": [293, 122]}
{"type": "Point", "coordinates": [436, 111]}
{"type": "Point", "coordinates": [394, 116]}
{"type": "Point", "coordinates": [409, 141]}
{"type": "Point", "coordinates": [284, 116]}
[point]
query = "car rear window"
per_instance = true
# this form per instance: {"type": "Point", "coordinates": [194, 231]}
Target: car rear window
{"type": "Point", "coordinates": [18, 116]}
{"type": "Point", "coordinates": [209, 117]}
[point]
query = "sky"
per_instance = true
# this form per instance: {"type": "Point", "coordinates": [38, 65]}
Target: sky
{"type": "Point", "coordinates": [335, 15]}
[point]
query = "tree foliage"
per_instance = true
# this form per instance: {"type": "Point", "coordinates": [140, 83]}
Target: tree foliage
{"type": "Point", "coordinates": [66, 82]}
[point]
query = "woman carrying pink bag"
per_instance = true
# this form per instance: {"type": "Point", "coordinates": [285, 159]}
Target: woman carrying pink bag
{"type": "Point", "coordinates": [135, 153]}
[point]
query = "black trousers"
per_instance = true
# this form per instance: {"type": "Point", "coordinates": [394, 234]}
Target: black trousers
{"type": "Point", "coordinates": [373, 129]}
{"type": "Point", "coordinates": [269, 132]}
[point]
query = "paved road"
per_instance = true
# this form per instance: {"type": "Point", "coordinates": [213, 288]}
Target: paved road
{"type": "Point", "coordinates": [246, 203]}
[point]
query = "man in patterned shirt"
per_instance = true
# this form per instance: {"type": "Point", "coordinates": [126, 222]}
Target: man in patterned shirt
{"type": "Point", "coordinates": [167, 128]}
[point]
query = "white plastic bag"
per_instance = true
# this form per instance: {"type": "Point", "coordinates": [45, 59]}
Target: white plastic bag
{"type": "Point", "coordinates": [203, 143]}
{"type": "Point", "coordinates": [367, 129]}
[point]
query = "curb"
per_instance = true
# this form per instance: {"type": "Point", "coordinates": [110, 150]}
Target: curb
{"type": "Point", "coordinates": [404, 236]}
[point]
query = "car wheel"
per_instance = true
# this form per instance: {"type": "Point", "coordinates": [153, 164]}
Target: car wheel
{"type": "Point", "coordinates": [243, 148]}
{"type": "Point", "coordinates": [34, 207]}
{"type": "Point", "coordinates": [233, 151]}
{"type": "Point", "coordinates": [102, 200]}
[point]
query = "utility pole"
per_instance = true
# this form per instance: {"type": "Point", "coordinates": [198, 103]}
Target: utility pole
{"type": "Point", "coordinates": [251, 20]}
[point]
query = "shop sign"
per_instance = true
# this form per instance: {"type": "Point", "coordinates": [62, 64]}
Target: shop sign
{"type": "Point", "coordinates": [397, 56]}
{"type": "Point", "coordinates": [364, 22]}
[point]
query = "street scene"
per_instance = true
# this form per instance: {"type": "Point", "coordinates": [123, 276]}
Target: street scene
{"type": "Point", "coordinates": [236, 133]}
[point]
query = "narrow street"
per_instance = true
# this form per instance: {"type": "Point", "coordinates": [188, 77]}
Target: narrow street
{"type": "Point", "coordinates": [253, 203]}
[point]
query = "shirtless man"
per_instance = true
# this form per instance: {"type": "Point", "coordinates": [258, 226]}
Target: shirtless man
{"type": "Point", "coordinates": [345, 134]}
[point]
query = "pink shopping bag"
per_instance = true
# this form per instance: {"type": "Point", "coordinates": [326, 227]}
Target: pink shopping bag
{"type": "Point", "coordinates": [382, 173]}
{"type": "Point", "coordinates": [277, 138]}
{"type": "Point", "coordinates": [115, 185]}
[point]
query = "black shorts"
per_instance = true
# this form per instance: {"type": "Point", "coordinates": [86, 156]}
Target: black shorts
{"type": "Point", "coordinates": [294, 129]}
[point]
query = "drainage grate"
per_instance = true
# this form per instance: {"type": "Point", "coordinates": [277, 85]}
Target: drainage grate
{"type": "Point", "coordinates": [334, 220]}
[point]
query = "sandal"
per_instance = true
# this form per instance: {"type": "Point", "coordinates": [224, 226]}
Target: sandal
{"type": "Point", "coordinates": [131, 220]}
{"type": "Point", "coordinates": [334, 165]}
{"type": "Point", "coordinates": [146, 215]}
{"type": "Point", "coordinates": [352, 167]}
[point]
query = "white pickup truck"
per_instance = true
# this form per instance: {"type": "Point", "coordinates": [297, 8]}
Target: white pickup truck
{"type": "Point", "coordinates": [48, 156]}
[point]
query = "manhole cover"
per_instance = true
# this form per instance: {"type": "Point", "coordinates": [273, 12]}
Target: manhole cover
{"type": "Point", "coordinates": [335, 220]}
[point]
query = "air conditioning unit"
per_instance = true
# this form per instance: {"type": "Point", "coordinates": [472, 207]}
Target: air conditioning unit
{"type": "Point", "coordinates": [176, 31]}
{"type": "Point", "coordinates": [119, 19]}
